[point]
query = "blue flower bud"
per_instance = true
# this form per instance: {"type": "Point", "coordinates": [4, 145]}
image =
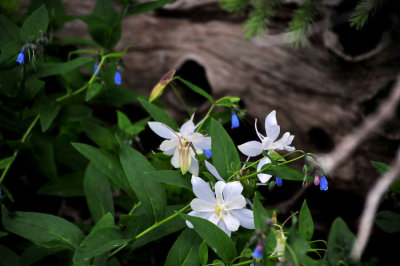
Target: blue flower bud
{"type": "Point", "coordinates": [117, 78]}
{"type": "Point", "coordinates": [96, 66]}
{"type": "Point", "coordinates": [258, 251]}
{"type": "Point", "coordinates": [278, 181]}
{"type": "Point", "coordinates": [323, 183]}
{"type": "Point", "coordinates": [235, 120]}
{"type": "Point", "coordinates": [207, 153]}
{"type": "Point", "coordinates": [21, 57]}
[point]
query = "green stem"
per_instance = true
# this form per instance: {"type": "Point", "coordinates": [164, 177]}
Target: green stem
{"type": "Point", "coordinates": [207, 115]}
{"type": "Point", "coordinates": [150, 229]}
{"type": "Point", "coordinates": [24, 137]}
{"type": "Point", "coordinates": [134, 207]}
{"type": "Point", "coordinates": [244, 262]}
{"type": "Point", "coordinates": [180, 98]}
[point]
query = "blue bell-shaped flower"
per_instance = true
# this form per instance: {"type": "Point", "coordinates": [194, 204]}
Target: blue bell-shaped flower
{"type": "Point", "coordinates": [21, 57]}
{"type": "Point", "coordinates": [234, 120]}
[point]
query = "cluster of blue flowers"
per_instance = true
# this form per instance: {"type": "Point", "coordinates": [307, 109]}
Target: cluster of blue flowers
{"type": "Point", "coordinates": [117, 76]}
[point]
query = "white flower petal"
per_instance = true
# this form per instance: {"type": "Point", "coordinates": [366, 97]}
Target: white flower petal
{"type": "Point", "coordinates": [251, 148]}
{"type": "Point", "coordinates": [237, 202]}
{"type": "Point", "coordinates": [194, 167]}
{"type": "Point", "coordinates": [230, 221]}
{"type": "Point", "coordinates": [169, 144]}
{"type": "Point", "coordinates": [270, 121]}
{"type": "Point", "coordinates": [245, 217]}
{"type": "Point", "coordinates": [260, 136]}
{"type": "Point", "coordinates": [187, 128]}
{"type": "Point", "coordinates": [263, 177]}
{"type": "Point", "coordinates": [211, 168]}
{"type": "Point", "coordinates": [175, 159]}
{"type": "Point", "coordinates": [202, 190]}
{"type": "Point", "coordinates": [162, 130]}
{"type": "Point", "coordinates": [200, 205]}
{"type": "Point", "coordinates": [232, 189]}
{"type": "Point", "coordinates": [203, 215]}
{"type": "Point", "coordinates": [289, 148]}
{"type": "Point", "coordinates": [200, 142]}
{"type": "Point", "coordinates": [285, 140]}
{"type": "Point", "coordinates": [222, 225]}
{"type": "Point", "coordinates": [219, 187]}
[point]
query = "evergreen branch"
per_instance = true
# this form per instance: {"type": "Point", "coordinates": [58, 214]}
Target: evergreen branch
{"type": "Point", "coordinates": [234, 6]}
{"type": "Point", "coordinates": [363, 10]}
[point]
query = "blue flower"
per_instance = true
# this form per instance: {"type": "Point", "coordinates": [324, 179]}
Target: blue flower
{"type": "Point", "coordinates": [207, 153]}
{"type": "Point", "coordinates": [96, 66]}
{"type": "Point", "coordinates": [21, 57]}
{"type": "Point", "coordinates": [278, 181]}
{"type": "Point", "coordinates": [323, 184]}
{"type": "Point", "coordinates": [117, 78]}
{"type": "Point", "coordinates": [258, 251]}
{"type": "Point", "coordinates": [235, 120]}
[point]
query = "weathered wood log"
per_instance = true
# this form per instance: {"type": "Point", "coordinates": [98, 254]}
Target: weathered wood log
{"type": "Point", "coordinates": [321, 92]}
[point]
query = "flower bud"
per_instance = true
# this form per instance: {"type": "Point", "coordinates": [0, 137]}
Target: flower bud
{"type": "Point", "coordinates": [185, 157]}
{"type": "Point", "coordinates": [316, 180]}
{"type": "Point", "coordinates": [323, 185]}
{"type": "Point", "coordinates": [160, 86]}
{"type": "Point", "coordinates": [278, 181]}
{"type": "Point", "coordinates": [258, 251]}
{"type": "Point", "coordinates": [117, 78]}
{"type": "Point", "coordinates": [234, 120]}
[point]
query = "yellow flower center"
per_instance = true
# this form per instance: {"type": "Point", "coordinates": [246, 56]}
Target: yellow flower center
{"type": "Point", "coordinates": [218, 211]}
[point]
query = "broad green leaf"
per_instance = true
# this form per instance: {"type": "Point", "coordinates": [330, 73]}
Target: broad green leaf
{"type": "Point", "coordinates": [52, 69]}
{"type": "Point", "coordinates": [165, 229]}
{"type": "Point", "coordinates": [285, 172]}
{"type": "Point", "coordinates": [104, 24]}
{"type": "Point", "coordinates": [388, 221]}
{"type": "Point", "coordinates": [117, 97]}
{"type": "Point", "coordinates": [3, 234]}
{"type": "Point", "coordinates": [340, 243]}
{"type": "Point", "coordinates": [6, 161]}
{"type": "Point", "coordinates": [43, 152]}
{"type": "Point", "coordinates": [146, 7]}
{"type": "Point", "coordinates": [93, 90]}
{"type": "Point", "coordinates": [171, 177]}
{"type": "Point", "coordinates": [227, 101]}
{"type": "Point", "coordinates": [380, 168]}
{"type": "Point", "coordinates": [98, 193]}
{"type": "Point", "coordinates": [225, 156]}
{"type": "Point", "coordinates": [150, 192]}
{"type": "Point", "coordinates": [98, 242]}
{"type": "Point", "coordinates": [43, 229]}
{"type": "Point", "coordinates": [185, 250]}
{"type": "Point", "coordinates": [35, 24]}
{"type": "Point", "coordinates": [123, 121]}
{"type": "Point", "coordinates": [106, 221]}
{"type": "Point", "coordinates": [8, 257]}
{"type": "Point", "coordinates": [306, 224]}
{"type": "Point", "coordinates": [100, 135]}
{"type": "Point", "coordinates": [32, 88]}
{"type": "Point", "coordinates": [203, 253]}
{"type": "Point", "coordinates": [8, 32]}
{"type": "Point", "coordinates": [246, 253]}
{"type": "Point", "coordinates": [158, 114]}
{"type": "Point", "coordinates": [197, 89]}
{"type": "Point", "coordinates": [299, 247]}
{"type": "Point", "coordinates": [9, 53]}
{"type": "Point", "coordinates": [32, 254]}
{"type": "Point", "coordinates": [49, 110]}
{"type": "Point", "coordinates": [260, 214]}
{"type": "Point", "coordinates": [106, 163]}
{"type": "Point", "coordinates": [70, 185]}
{"type": "Point", "coordinates": [217, 239]}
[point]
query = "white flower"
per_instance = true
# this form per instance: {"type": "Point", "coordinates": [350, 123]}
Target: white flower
{"type": "Point", "coordinates": [175, 140]}
{"type": "Point", "coordinates": [268, 143]}
{"type": "Point", "coordinates": [225, 208]}
{"type": "Point", "coordinates": [280, 245]}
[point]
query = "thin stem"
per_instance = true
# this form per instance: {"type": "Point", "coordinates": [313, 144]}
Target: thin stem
{"type": "Point", "coordinates": [134, 207]}
{"type": "Point", "coordinates": [244, 262]}
{"type": "Point", "coordinates": [207, 115]}
{"type": "Point", "coordinates": [180, 98]}
{"type": "Point", "coordinates": [150, 229]}
{"type": "Point", "coordinates": [23, 139]}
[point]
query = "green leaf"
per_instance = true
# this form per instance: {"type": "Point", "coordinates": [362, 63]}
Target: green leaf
{"type": "Point", "coordinates": [380, 168]}
{"type": "Point", "coordinates": [3, 234]}
{"type": "Point", "coordinates": [171, 177]}
{"type": "Point", "coordinates": [104, 24]}
{"type": "Point", "coordinates": [8, 257]}
{"type": "Point", "coordinates": [6, 161]}
{"type": "Point", "coordinates": [306, 224]}
{"type": "Point", "coordinates": [33, 254]}
{"type": "Point", "coordinates": [146, 7]}
{"type": "Point", "coordinates": [43, 229]}
{"type": "Point", "coordinates": [35, 24]}
{"type": "Point", "coordinates": [100, 135]}
{"type": "Point", "coordinates": [70, 185]}
{"type": "Point", "coordinates": [150, 192]}
{"type": "Point", "coordinates": [217, 239]}
{"type": "Point", "coordinates": [107, 164]}
{"type": "Point", "coordinates": [49, 110]}
{"type": "Point", "coordinates": [260, 214]}
{"type": "Point", "coordinates": [225, 156]}
{"type": "Point", "coordinates": [246, 253]}
{"type": "Point", "coordinates": [287, 173]}
{"type": "Point", "coordinates": [388, 221]}
{"type": "Point", "coordinates": [93, 90]}
{"type": "Point", "coordinates": [158, 114]}
{"type": "Point", "coordinates": [52, 69]}
{"type": "Point", "coordinates": [299, 247]}
{"type": "Point", "coordinates": [98, 193]}
{"type": "Point", "coordinates": [123, 121]}
{"type": "Point", "coordinates": [340, 243]}
{"type": "Point", "coordinates": [99, 242]}
{"type": "Point", "coordinates": [197, 89]}
{"type": "Point", "coordinates": [185, 250]}
{"type": "Point", "coordinates": [43, 152]}
{"type": "Point", "coordinates": [118, 96]}
{"type": "Point", "coordinates": [8, 32]}
{"type": "Point", "coordinates": [203, 253]}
